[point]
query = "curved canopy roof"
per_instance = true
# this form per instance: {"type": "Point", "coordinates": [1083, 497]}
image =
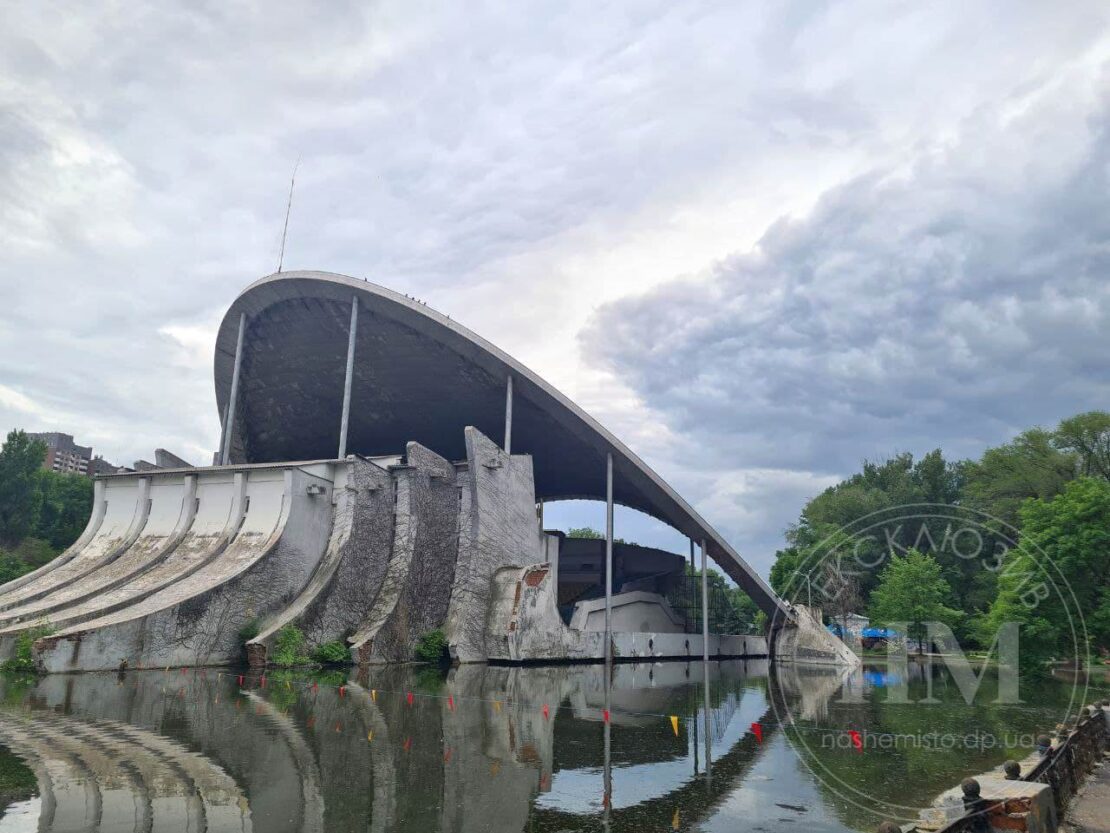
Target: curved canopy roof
{"type": "Point", "coordinates": [418, 375]}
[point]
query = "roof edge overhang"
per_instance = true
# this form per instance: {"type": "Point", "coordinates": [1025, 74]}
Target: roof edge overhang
{"type": "Point", "coordinates": [271, 289]}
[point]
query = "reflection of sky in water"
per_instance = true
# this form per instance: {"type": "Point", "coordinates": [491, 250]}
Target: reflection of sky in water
{"type": "Point", "coordinates": [778, 777]}
{"type": "Point", "coordinates": [22, 816]}
{"type": "Point", "coordinates": [577, 791]}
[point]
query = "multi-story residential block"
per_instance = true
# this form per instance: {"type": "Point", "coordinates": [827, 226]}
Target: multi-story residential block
{"type": "Point", "coordinates": [63, 454]}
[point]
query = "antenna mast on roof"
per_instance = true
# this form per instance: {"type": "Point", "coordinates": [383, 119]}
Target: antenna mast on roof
{"type": "Point", "coordinates": [288, 208]}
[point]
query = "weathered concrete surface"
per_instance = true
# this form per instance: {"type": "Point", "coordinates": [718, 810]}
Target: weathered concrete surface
{"type": "Point", "coordinates": [1019, 806]}
{"type": "Point", "coordinates": [173, 503]}
{"type": "Point", "coordinates": [525, 625]}
{"type": "Point", "coordinates": [804, 639]}
{"type": "Point", "coordinates": [125, 515]}
{"type": "Point", "coordinates": [345, 583]}
{"type": "Point", "coordinates": [197, 620]}
{"type": "Point", "coordinates": [630, 612]}
{"type": "Point", "coordinates": [221, 505]}
{"type": "Point", "coordinates": [416, 590]}
{"type": "Point", "coordinates": [498, 528]}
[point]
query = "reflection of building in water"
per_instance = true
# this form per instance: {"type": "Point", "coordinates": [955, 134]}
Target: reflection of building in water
{"type": "Point", "coordinates": [472, 752]}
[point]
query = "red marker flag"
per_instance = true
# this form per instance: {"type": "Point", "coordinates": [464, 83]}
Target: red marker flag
{"type": "Point", "coordinates": [757, 730]}
{"type": "Point", "coordinates": [408, 697]}
{"type": "Point", "coordinates": [857, 741]}
{"type": "Point", "coordinates": [545, 711]}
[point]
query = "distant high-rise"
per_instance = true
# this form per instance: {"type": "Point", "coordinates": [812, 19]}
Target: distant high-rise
{"type": "Point", "coordinates": [63, 454]}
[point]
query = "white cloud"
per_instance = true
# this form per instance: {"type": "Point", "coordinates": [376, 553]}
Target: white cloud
{"type": "Point", "coordinates": [519, 166]}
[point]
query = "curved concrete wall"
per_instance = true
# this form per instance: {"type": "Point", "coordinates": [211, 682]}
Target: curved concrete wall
{"type": "Point", "coordinates": [416, 590]}
{"type": "Point", "coordinates": [172, 508]}
{"type": "Point", "coordinates": [347, 580]}
{"type": "Point", "coordinates": [252, 546]}
{"type": "Point", "coordinates": [498, 528]}
{"type": "Point", "coordinates": [220, 504]}
{"type": "Point", "coordinates": [126, 506]}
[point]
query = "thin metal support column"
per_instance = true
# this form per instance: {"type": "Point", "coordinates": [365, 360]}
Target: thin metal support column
{"type": "Point", "coordinates": [704, 604]}
{"type": "Point", "coordinates": [352, 335]}
{"type": "Point", "coordinates": [705, 653]}
{"type": "Point", "coordinates": [229, 423]}
{"type": "Point", "coordinates": [509, 415]}
{"type": "Point", "coordinates": [608, 561]}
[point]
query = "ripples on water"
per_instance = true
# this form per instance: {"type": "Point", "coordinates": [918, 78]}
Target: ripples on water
{"type": "Point", "coordinates": [472, 749]}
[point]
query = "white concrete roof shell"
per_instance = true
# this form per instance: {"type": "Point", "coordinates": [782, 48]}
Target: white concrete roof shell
{"type": "Point", "coordinates": [422, 376]}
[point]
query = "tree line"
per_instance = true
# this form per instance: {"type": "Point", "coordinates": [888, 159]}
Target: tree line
{"type": "Point", "coordinates": [41, 512]}
{"type": "Point", "coordinates": [1020, 535]}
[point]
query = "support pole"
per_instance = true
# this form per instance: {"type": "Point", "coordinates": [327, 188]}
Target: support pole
{"type": "Point", "coordinates": [708, 733]}
{"type": "Point", "coordinates": [229, 423]}
{"type": "Point", "coordinates": [218, 457]}
{"type": "Point", "coordinates": [608, 561]}
{"type": "Point", "coordinates": [509, 415]}
{"type": "Point", "coordinates": [705, 652]}
{"type": "Point", "coordinates": [704, 604]}
{"type": "Point", "coordinates": [607, 762]}
{"type": "Point", "coordinates": [352, 335]}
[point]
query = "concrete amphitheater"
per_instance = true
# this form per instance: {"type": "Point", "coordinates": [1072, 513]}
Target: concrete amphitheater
{"type": "Point", "coordinates": [358, 494]}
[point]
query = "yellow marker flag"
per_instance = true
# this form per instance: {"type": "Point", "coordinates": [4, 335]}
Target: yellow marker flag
{"type": "Point", "coordinates": [369, 736]}
{"type": "Point", "coordinates": [674, 724]}
{"type": "Point", "coordinates": [374, 694]}
{"type": "Point", "coordinates": [674, 821]}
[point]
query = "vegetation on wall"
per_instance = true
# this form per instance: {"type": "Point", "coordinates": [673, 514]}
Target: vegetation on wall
{"type": "Point", "coordinates": [432, 647]}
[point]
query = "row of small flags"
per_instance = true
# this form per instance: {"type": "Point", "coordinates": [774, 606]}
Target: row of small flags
{"type": "Point", "coordinates": [240, 679]}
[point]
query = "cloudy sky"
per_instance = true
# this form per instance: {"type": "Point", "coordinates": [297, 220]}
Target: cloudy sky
{"type": "Point", "coordinates": [761, 242]}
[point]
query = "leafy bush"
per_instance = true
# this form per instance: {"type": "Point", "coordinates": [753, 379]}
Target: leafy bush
{"type": "Point", "coordinates": [24, 660]}
{"type": "Point", "coordinates": [332, 653]}
{"type": "Point", "coordinates": [288, 645]}
{"type": "Point", "coordinates": [249, 631]}
{"type": "Point", "coordinates": [432, 647]}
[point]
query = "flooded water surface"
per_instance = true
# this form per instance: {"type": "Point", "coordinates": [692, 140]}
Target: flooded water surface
{"type": "Point", "coordinates": [499, 749]}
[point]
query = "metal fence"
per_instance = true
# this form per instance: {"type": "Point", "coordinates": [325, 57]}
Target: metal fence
{"type": "Point", "coordinates": [684, 595]}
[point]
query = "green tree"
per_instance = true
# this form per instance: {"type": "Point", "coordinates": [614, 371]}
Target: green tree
{"type": "Point", "coordinates": [876, 498]}
{"type": "Point", "coordinates": [1066, 537]}
{"type": "Point", "coordinates": [584, 532]}
{"type": "Point", "coordinates": [20, 460]}
{"type": "Point", "coordinates": [64, 507]}
{"type": "Point", "coordinates": [912, 589]}
{"type": "Point", "coordinates": [591, 534]}
{"type": "Point", "coordinates": [1088, 436]}
{"type": "Point", "coordinates": [1029, 466]}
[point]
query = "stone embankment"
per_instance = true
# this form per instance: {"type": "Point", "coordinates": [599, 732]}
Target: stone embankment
{"type": "Point", "coordinates": [1033, 794]}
